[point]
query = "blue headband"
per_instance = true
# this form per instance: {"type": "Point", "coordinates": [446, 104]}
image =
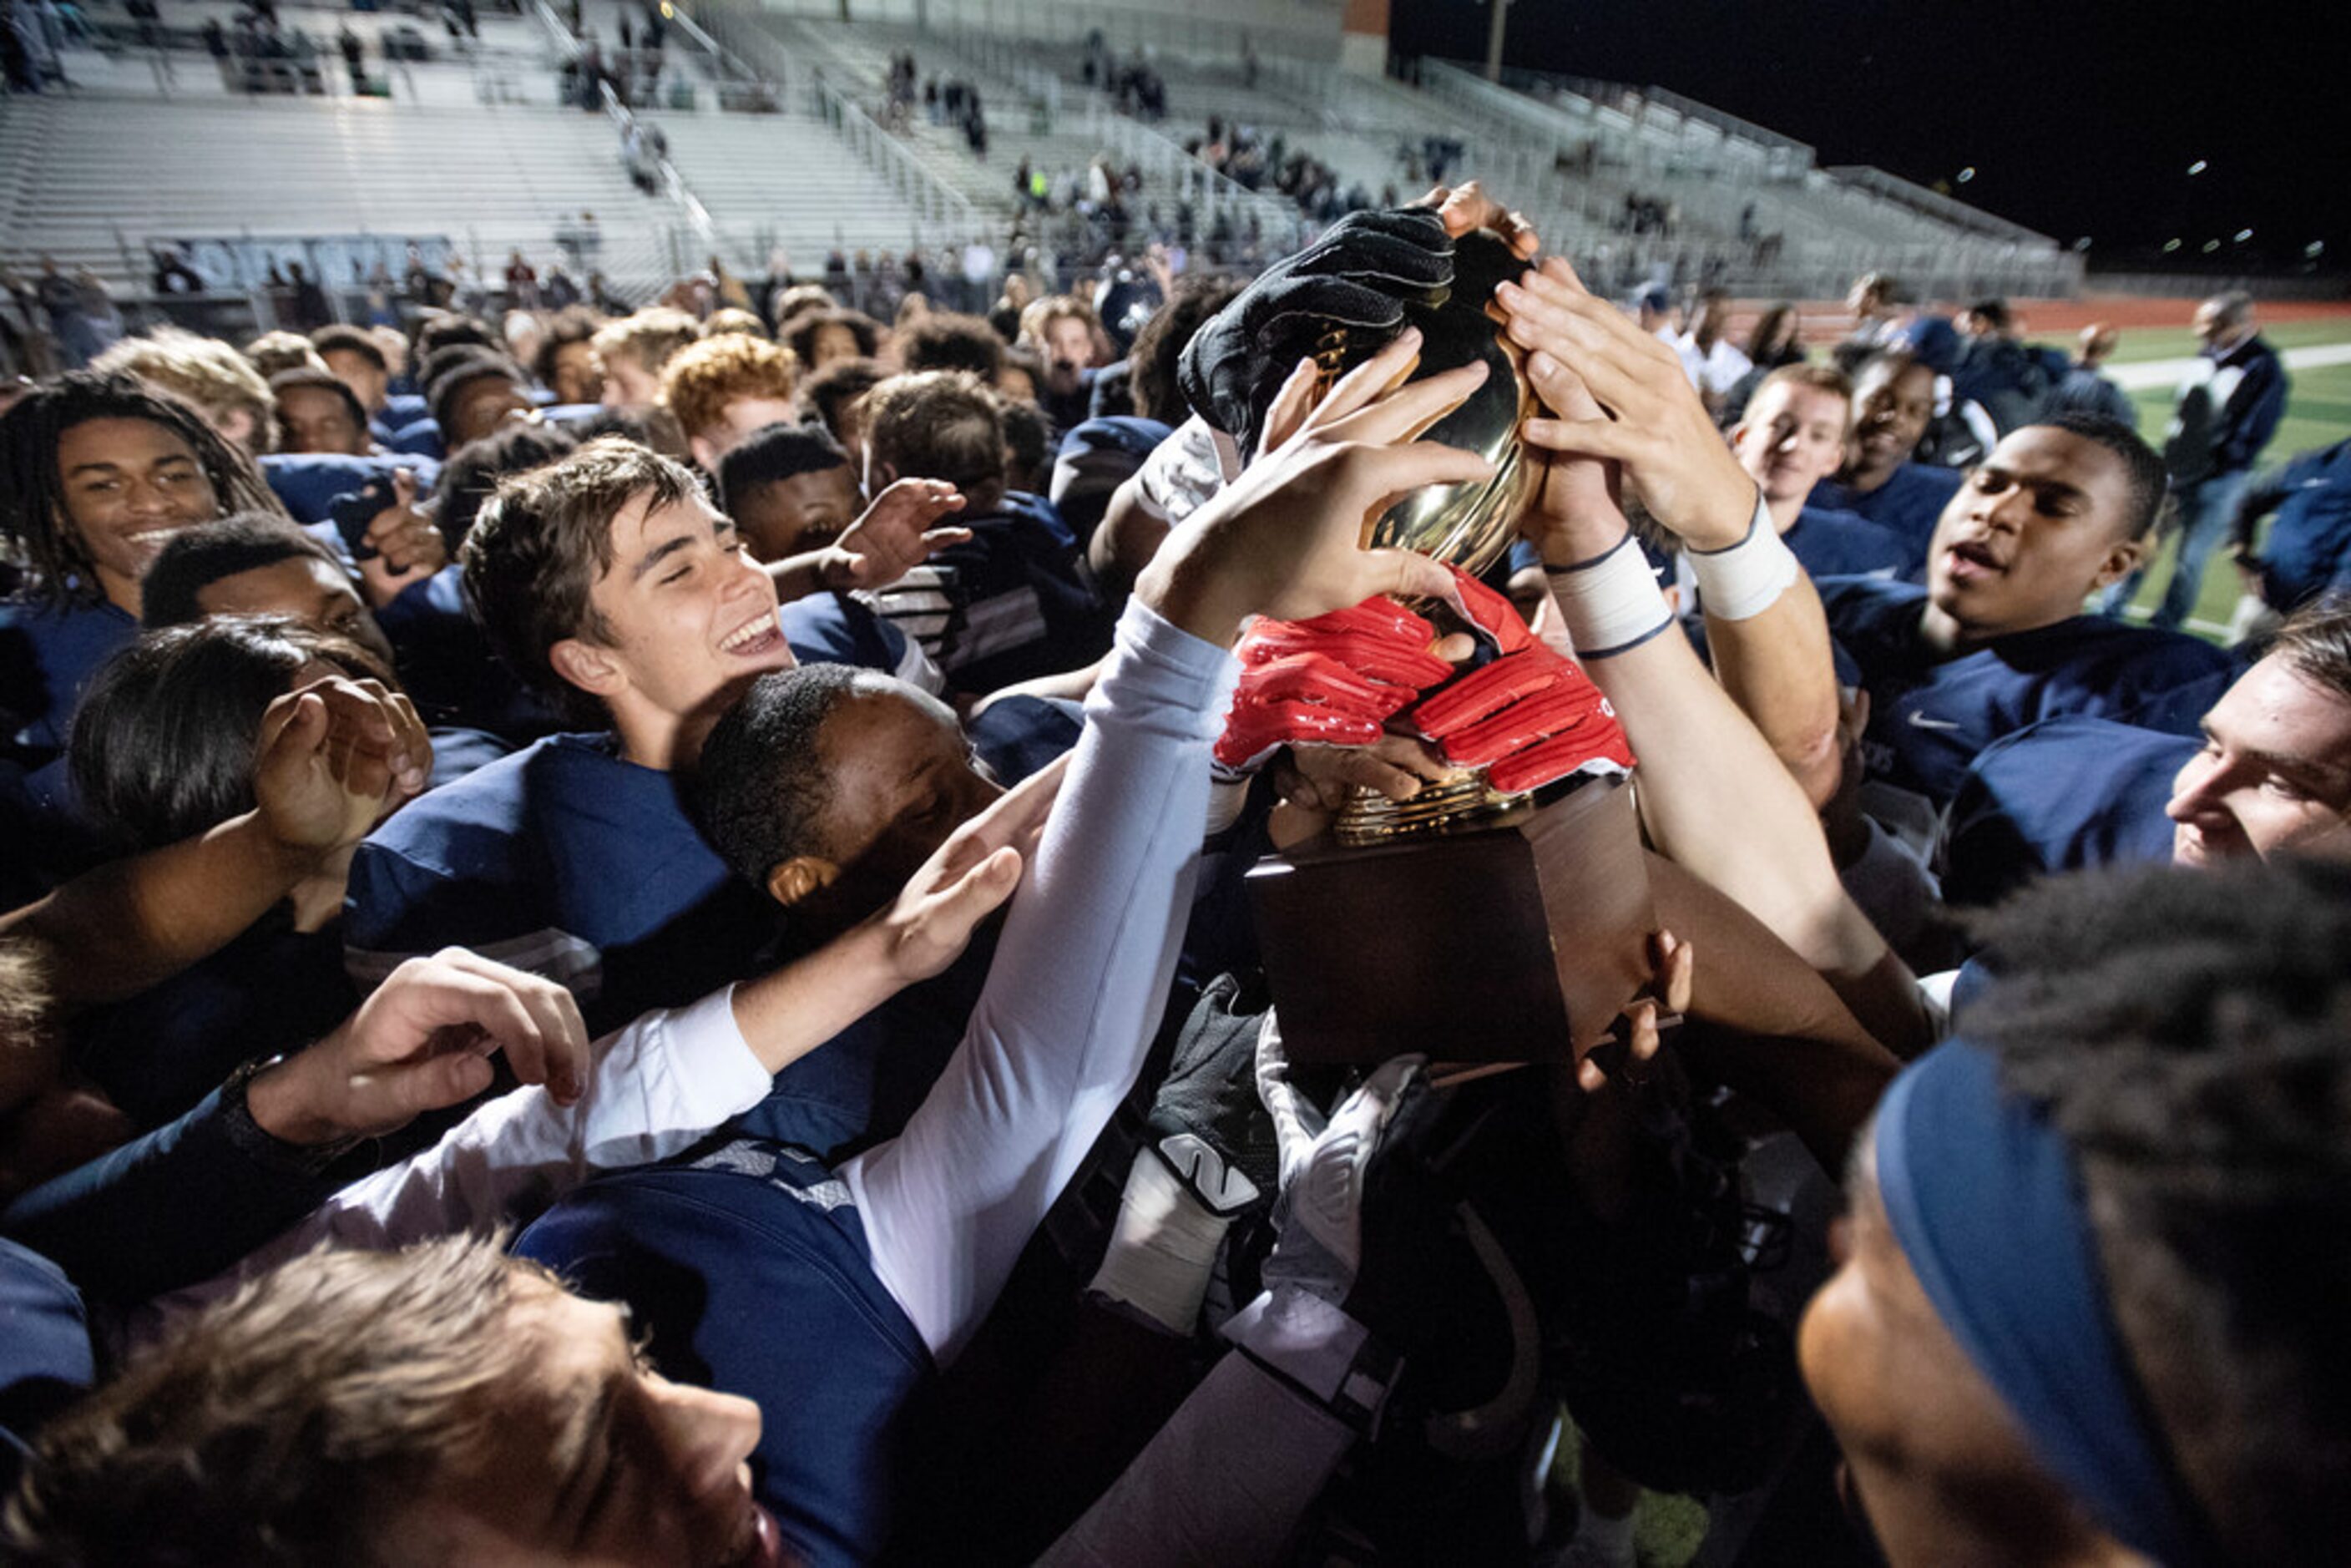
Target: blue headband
{"type": "Point", "coordinates": [1983, 1197]}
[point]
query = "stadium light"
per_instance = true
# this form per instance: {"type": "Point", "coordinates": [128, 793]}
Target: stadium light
{"type": "Point", "coordinates": [2081, 244]}
{"type": "Point", "coordinates": [2198, 167]}
{"type": "Point", "coordinates": [2210, 246]}
{"type": "Point", "coordinates": [2314, 249]}
{"type": "Point", "coordinates": [2244, 234]}
{"type": "Point", "coordinates": [1967, 173]}
{"type": "Point", "coordinates": [2169, 246]}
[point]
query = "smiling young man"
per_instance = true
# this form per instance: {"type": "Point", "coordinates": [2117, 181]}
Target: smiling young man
{"type": "Point", "coordinates": [2270, 775]}
{"type": "Point", "coordinates": [608, 584]}
{"type": "Point", "coordinates": [1792, 437]}
{"type": "Point", "coordinates": [1894, 402]}
{"type": "Point", "coordinates": [1996, 640]}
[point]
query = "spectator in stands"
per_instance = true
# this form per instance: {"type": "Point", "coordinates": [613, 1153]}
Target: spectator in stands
{"type": "Point", "coordinates": [222, 384]}
{"type": "Point", "coordinates": [1793, 438]}
{"type": "Point", "coordinates": [1893, 397]}
{"type": "Point", "coordinates": [821, 337]}
{"type": "Point", "coordinates": [2226, 411]}
{"type": "Point", "coordinates": [311, 308]}
{"type": "Point", "coordinates": [522, 282]}
{"type": "Point", "coordinates": [632, 352]}
{"type": "Point", "coordinates": [317, 413]}
{"type": "Point", "coordinates": [721, 389]}
{"type": "Point", "coordinates": [1065, 335]}
{"type": "Point", "coordinates": [475, 395]}
{"type": "Point", "coordinates": [357, 361]}
{"type": "Point", "coordinates": [2307, 552]}
{"type": "Point", "coordinates": [566, 363]}
{"type": "Point", "coordinates": [943, 341]}
{"type": "Point", "coordinates": [835, 397]}
{"type": "Point", "coordinates": [1012, 607]}
{"type": "Point", "coordinates": [102, 471]}
{"type": "Point", "coordinates": [2083, 389]}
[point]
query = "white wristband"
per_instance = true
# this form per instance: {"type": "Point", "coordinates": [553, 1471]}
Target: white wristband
{"type": "Point", "coordinates": [1610, 602]}
{"type": "Point", "coordinates": [1748, 577]}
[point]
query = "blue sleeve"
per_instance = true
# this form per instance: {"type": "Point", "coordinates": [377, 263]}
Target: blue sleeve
{"type": "Point", "coordinates": [2263, 400]}
{"type": "Point", "coordinates": [176, 1207]}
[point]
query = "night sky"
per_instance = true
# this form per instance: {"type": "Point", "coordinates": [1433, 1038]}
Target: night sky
{"type": "Point", "coordinates": [2079, 117]}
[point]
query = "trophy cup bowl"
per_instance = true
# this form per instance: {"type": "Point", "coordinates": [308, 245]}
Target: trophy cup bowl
{"type": "Point", "coordinates": [1465, 923]}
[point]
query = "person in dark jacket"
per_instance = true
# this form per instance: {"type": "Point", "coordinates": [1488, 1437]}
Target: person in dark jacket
{"type": "Point", "coordinates": [2227, 409]}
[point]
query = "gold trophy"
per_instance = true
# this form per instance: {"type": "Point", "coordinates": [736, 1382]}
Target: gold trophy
{"type": "Point", "coordinates": [1467, 922]}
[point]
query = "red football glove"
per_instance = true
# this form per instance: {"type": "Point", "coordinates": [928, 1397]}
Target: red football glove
{"type": "Point", "coordinates": [1529, 719]}
{"type": "Point", "coordinates": [1335, 680]}
{"type": "Point", "coordinates": [1491, 613]}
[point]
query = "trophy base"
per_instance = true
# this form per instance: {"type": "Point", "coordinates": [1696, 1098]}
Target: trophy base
{"type": "Point", "coordinates": [1517, 936]}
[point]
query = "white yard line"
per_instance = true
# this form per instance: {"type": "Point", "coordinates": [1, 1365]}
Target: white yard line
{"type": "Point", "coordinates": [2168, 372]}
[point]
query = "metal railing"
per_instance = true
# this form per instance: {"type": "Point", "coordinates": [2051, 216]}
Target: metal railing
{"type": "Point", "coordinates": [1934, 203]}
{"type": "Point", "coordinates": [946, 212]}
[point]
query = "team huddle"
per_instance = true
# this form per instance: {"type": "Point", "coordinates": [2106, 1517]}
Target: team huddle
{"type": "Point", "coordinates": [630, 941]}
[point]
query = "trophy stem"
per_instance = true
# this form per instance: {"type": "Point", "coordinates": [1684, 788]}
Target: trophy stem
{"type": "Point", "coordinates": [1369, 817]}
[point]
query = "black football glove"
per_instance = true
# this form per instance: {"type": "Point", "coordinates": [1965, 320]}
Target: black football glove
{"type": "Point", "coordinates": [1359, 275]}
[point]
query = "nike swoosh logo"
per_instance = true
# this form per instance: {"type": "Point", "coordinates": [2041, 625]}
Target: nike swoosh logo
{"type": "Point", "coordinates": [1921, 721]}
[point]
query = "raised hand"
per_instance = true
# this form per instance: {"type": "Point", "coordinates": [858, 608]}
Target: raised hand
{"type": "Point", "coordinates": [1466, 207]}
{"type": "Point", "coordinates": [333, 760]}
{"type": "Point", "coordinates": [1285, 539]}
{"type": "Point", "coordinates": [895, 535]}
{"type": "Point", "coordinates": [408, 547]}
{"type": "Point", "coordinates": [1654, 425]}
{"type": "Point", "coordinates": [422, 1042]}
{"type": "Point", "coordinates": [929, 923]}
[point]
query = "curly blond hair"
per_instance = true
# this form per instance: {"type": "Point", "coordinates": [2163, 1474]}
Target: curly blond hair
{"type": "Point", "coordinates": [699, 382]}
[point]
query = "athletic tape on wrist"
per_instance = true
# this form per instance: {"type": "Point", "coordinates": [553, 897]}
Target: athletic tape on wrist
{"type": "Point", "coordinates": [1748, 577]}
{"type": "Point", "coordinates": [1610, 602]}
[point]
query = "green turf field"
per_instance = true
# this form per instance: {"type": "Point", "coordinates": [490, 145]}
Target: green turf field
{"type": "Point", "coordinates": [2317, 414]}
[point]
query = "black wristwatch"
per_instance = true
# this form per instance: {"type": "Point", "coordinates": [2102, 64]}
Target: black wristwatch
{"type": "Point", "coordinates": [251, 1140]}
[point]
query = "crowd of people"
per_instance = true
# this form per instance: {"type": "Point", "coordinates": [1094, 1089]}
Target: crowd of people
{"type": "Point", "coordinates": [630, 938]}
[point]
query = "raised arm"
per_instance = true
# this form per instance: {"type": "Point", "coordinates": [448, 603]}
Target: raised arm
{"type": "Point", "coordinates": [1082, 967]}
{"type": "Point", "coordinates": [1713, 794]}
{"type": "Point", "coordinates": [330, 761]}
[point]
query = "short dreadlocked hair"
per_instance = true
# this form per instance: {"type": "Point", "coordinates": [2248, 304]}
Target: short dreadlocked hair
{"type": "Point", "coordinates": [2189, 1034]}
{"type": "Point", "coordinates": [33, 509]}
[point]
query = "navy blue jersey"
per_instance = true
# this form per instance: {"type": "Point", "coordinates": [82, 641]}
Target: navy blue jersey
{"type": "Point", "coordinates": [747, 1269]}
{"type": "Point", "coordinates": [307, 484]}
{"type": "Point", "coordinates": [1841, 544]}
{"type": "Point", "coordinates": [1908, 505]}
{"type": "Point", "coordinates": [45, 1352]}
{"type": "Point", "coordinates": [1930, 718]}
{"type": "Point", "coordinates": [2060, 796]}
{"type": "Point", "coordinates": [46, 656]}
{"type": "Point", "coordinates": [564, 860]}
{"type": "Point", "coordinates": [2308, 552]}
{"type": "Point", "coordinates": [1020, 610]}
{"type": "Point", "coordinates": [831, 628]}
